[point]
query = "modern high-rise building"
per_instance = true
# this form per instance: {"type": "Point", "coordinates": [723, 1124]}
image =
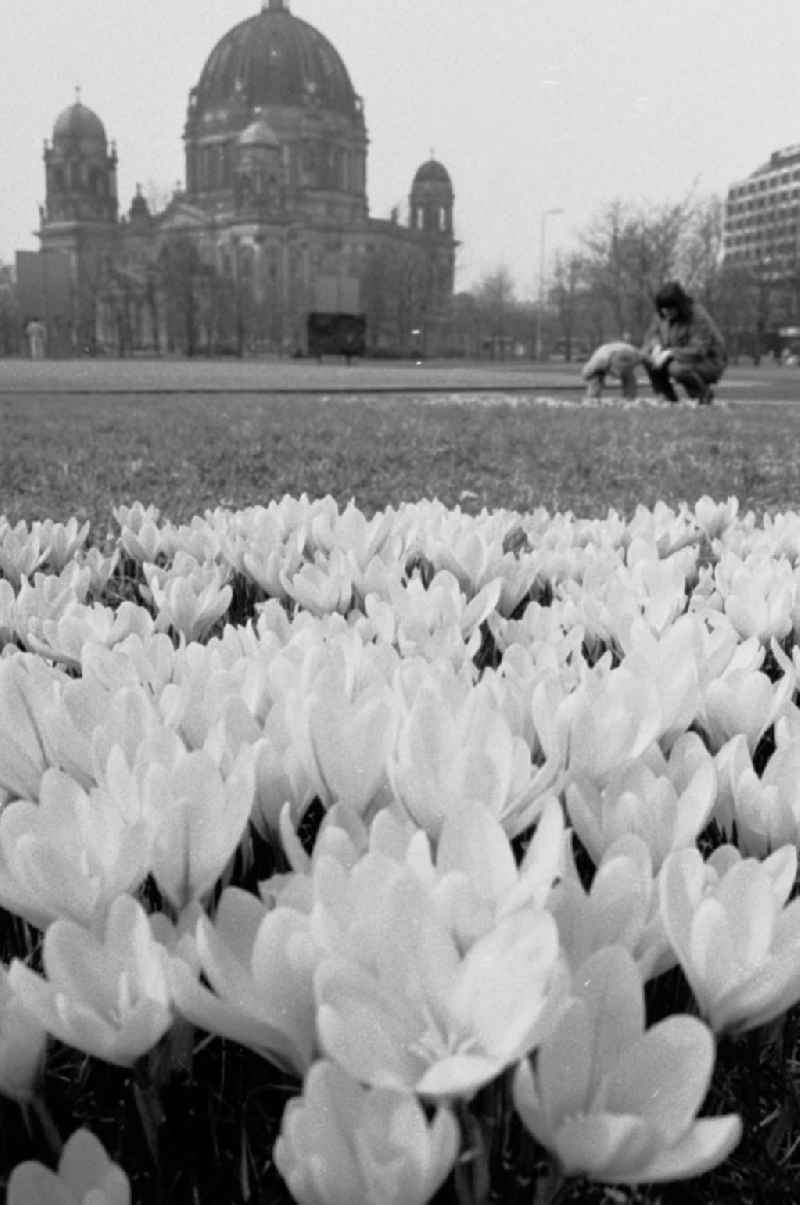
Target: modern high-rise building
{"type": "Point", "coordinates": [762, 216]}
{"type": "Point", "coordinates": [273, 221]}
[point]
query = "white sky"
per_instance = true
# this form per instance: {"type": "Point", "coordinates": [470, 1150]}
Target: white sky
{"type": "Point", "coordinates": [530, 104]}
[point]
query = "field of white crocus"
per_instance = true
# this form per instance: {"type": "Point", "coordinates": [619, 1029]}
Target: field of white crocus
{"type": "Point", "coordinates": [429, 856]}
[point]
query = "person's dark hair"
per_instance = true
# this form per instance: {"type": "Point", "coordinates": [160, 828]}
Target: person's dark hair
{"type": "Point", "coordinates": [673, 294]}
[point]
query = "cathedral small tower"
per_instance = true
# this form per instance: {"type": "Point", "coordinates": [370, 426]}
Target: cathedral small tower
{"type": "Point", "coordinates": [79, 221]}
{"type": "Point", "coordinates": [81, 173]}
{"type": "Point", "coordinates": [430, 203]}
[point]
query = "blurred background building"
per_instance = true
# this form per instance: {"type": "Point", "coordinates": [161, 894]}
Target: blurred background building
{"type": "Point", "coordinates": [272, 223]}
{"type": "Point", "coordinates": [761, 250]}
{"type": "Point", "coordinates": [762, 214]}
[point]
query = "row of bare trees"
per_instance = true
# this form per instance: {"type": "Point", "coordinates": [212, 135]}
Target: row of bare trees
{"type": "Point", "coordinates": [603, 288]}
{"type": "Point", "coordinates": [180, 300]}
{"type": "Point", "coordinates": [10, 320]}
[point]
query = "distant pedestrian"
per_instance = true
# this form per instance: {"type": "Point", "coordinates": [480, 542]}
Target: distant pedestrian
{"type": "Point", "coordinates": [683, 346]}
{"type": "Point", "coordinates": [616, 359]}
{"type": "Point", "coordinates": [36, 336]}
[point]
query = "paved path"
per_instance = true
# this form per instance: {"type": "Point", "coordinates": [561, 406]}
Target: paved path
{"type": "Point", "coordinates": [274, 376]}
{"type": "Point", "coordinates": [165, 376]}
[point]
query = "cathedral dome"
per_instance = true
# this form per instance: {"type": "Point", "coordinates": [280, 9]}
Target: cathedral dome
{"type": "Point", "coordinates": [432, 172]}
{"type": "Point", "coordinates": [79, 123]}
{"type": "Point", "coordinates": [274, 58]}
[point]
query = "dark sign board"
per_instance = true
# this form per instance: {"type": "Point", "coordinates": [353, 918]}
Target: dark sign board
{"type": "Point", "coordinates": [44, 288]}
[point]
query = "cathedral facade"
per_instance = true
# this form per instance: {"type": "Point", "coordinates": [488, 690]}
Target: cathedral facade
{"type": "Point", "coordinates": [273, 221]}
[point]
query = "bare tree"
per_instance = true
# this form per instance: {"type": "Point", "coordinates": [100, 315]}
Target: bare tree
{"type": "Point", "coordinates": [628, 252]}
{"type": "Point", "coordinates": [185, 284]}
{"type": "Point", "coordinates": [564, 296]}
{"type": "Point", "coordinates": [378, 284]}
{"type": "Point", "coordinates": [495, 300]}
{"type": "Point", "coordinates": [10, 318]}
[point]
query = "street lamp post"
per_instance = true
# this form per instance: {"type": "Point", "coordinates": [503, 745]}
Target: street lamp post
{"type": "Point", "coordinates": [547, 213]}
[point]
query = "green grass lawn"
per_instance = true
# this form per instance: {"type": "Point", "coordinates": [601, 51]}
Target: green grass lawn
{"type": "Point", "coordinates": [63, 454]}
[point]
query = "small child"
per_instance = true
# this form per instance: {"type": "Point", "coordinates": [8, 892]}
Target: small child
{"type": "Point", "coordinates": [617, 359]}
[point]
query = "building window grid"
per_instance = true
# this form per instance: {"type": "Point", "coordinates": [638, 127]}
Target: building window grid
{"type": "Point", "coordinates": [763, 214]}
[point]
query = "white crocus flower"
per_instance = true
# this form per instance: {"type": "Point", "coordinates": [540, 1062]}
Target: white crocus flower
{"type": "Point", "coordinates": [62, 540]}
{"type": "Point", "coordinates": [412, 1013]}
{"type": "Point", "coordinates": [64, 638]}
{"type": "Point", "coordinates": [70, 854]}
{"type": "Point", "coordinates": [743, 699]}
{"type": "Point", "coordinates": [190, 597]}
{"type": "Point", "coordinates": [765, 809]}
{"type": "Point", "coordinates": [667, 802]}
{"type": "Point", "coordinates": [672, 661]}
{"type": "Point", "coordinates": [715, 517]}
{"type": "Point", "coordinates": [454, 745]}
{"type": "Point", "coordinates": [22, 756]}
{"type": "Point", "coordinates": [198, 819]}
{"type": "Point", "coordinates": [761, 598]}
{"type": "Point", "coordinates": [21, 553]}
{"type": "Point", "coordinates": [615, 1102]}
{"type": "Point", "coordinates": [350, 740]}
{"type": "Point", "coordinates": [22, 1044]}
{"type": "Point", "coordinates": [620, 907]}
{"type": "Point", "coordinates": [86, 1176]}
{"type": "Point", "coordinates": [259, 964]}
{"type": "Point", "coordinates": [104, 995]}
{"type": "Point", "coordinates": [608, 722]}
{"type": "Point", "coordinates": [31, 702]}
{"type": "Point", "coordinates": [321, 587]}
{"type": "Point", "coordinates": [140, 537]}
{"type": "Point", "coordinates": [340, 1142]}
{"type": "Point", "coordinates": [733, 934]}
{"type": "Point", "coordinates": [474, 878]}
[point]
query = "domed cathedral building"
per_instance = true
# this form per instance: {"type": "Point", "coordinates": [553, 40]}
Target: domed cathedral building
{"type": "Point", "coordinates": [273, 222]}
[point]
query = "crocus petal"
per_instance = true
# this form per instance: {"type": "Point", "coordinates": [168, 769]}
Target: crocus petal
{"type": "Point", "coordinates": [713, 965]}
{"type": "Point", "coordinates": [200, 1006]}
{"type": "Point", "coordinates": [610, 985]}
{"type": "Point", "coordinates": [84, 1166]}
{"type": "Point", "coordinates": [78, 965]}
{"type": "Point", "coordinates": [33, 1184]}
{"type": "Point", "coordinates": [473, 841]}
{"type": "Point", "coordinates": [604, 1146]}
{"type": "Point", "coordinates": [350, 742]}
{"type": "Point", "coordinates": [236, 920]}
{"type": "Point", "coordinates": [368, 1032]}
{"type": "Point", "coordinates": [563, 1072]}
{"type": "Point", "coordinates": [664, 1077]}
{"type": "Point", "coordinates": [503, 983]}
{"type": "Point", "coordinates": [458, 1076]}
{"type": "Point", "coordinates": [708, 1143]}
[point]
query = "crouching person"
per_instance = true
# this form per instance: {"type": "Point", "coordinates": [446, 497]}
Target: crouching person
{"type": "Point", "coordinates": [683, 346]}
{"type": "Point", "coordinates": [617, 360]}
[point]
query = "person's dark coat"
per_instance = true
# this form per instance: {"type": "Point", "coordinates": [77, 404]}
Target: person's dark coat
{"type": "Point", "coordinates": [688, 331]}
